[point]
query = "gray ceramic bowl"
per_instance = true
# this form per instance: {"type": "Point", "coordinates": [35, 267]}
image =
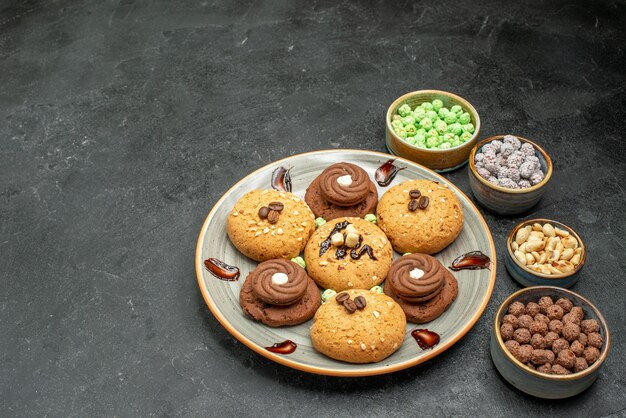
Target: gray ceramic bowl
{"type": "Point", "coordinates": [530, 381]}
{"type": "Point", "coordinates": [502, 200]}
{"type": "Point", "coordinates": [527, 277]}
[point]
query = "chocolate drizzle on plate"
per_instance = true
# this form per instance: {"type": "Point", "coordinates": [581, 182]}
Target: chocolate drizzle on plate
{"type": "Point", "coordinates": [281, 179]}
{"type": "Point", "coordinates": [386, 173]}
{"type": "Point", "coordinates": [286, 347]}
{"type": "Point", "coordinates": [425, 339]}
{"type": "Point", "coordinates": [221, 270]}
{"type": "Point", "coordinates": [474, 260]}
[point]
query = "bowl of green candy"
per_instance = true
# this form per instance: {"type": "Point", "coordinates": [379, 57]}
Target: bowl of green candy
{"type": "Point", "coordinates": [434, 128]}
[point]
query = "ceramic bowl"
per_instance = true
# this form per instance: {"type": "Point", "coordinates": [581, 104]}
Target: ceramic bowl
{"type": "Point", "coordinates": [527, 277]}
{"type": "Point", "coordinates": [502, 200]}
{"type": "Point", "coordinates": [435, 159]}
{"type": "Point", "coordinates": [530, 381]}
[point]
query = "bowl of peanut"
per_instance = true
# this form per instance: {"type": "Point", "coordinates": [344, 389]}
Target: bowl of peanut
{"type": "Point", "coordinates": [543, 252]}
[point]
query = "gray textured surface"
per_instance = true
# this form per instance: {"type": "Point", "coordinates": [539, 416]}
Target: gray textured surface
{"type": "Point", "coordinates": [121, 123]}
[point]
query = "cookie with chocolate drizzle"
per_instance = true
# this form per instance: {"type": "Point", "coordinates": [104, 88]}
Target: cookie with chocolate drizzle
{"type": "Point", "coordinates": [342, 190]}
{"type": "Point", "coordinates": [279, 293]}
{"type": "Point", "coordinates": [422, 287]}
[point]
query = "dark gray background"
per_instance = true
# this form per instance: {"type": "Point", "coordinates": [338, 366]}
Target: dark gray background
{"type": "Point", "coordinates": [123, 122]}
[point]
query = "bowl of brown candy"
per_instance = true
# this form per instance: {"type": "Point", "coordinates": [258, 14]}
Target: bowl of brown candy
{"type": "Point", "coordinates": [549, 342]}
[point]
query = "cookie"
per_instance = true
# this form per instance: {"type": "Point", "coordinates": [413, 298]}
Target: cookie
{"type": "Point", "coordinates": [345, 266]}
{"type": "Point", "coordinates": [343, 189]}
{"type": "Point", "coordinates": [426, 222]}
{"type": "Point", "coordinates": [422, 287]}
{"type": "Point", "coordinates": [262, 233]}
{"type": "Point", "coordinates": [366, 335]}
{"type": "Point", "coordinates": [279, 293]}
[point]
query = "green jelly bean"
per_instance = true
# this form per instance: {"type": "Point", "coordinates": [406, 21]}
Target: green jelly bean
{"type": "Point", "coordinates": [328, 294]}
{"type": "Point", "coordinates": [464, 118]}
{"type": "Point", "coordinates": [319, 222]}
{"type": "Point", "coordinates": [404, 110]}
{"type": "Point", "coordinates": [441, 126]}
{"type": "Point", "coordinates": [370, 217]}
{"type": "Point", "coordinates": [456, 109]}
{"type": "Point", "coordinates": [450, 118]}
{"type": "Point", "coordinates": [299, 261]}
{"type": "Point", "coordinates": [437, 104]}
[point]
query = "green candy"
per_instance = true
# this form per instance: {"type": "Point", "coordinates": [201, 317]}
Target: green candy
{"type": "Point", "coordinates": [401, 133]}
{"type": "Point", "coordinates": [404, 110]}
{"type": "Point", "coordinates": [419, 137]}
{"type": "Point", "coordinates": [464, 118]}
{"type": "Point", "coordinates": [455, 143]}
{"type": "Point", "coordinates": [445, 145]}
{"type": "Point", "coordinates": [319, 222]}
{"type": "Point", "coordinates": [437, 104]}
{"type": "Point", "coordinates": [432, 142]}
{"type": "Point", "coordinates": [450, 118]}
{"type": "Point", "coordinates": [411, 130]}
{"type": "Point", "coordinates": [396, 117]}
{"type": "Point", "coordinates": [441, 126]}
{"type": "Point", "coordinates": [466, 136]}
{"type": "Point", "coordinates": [449, 137]}
{"type": "Point", "coordinates": [396, 124]}
{"type": "Point", "coordinates": [432, 115]}
{"type": "Point", "coordinates": [455, 129]}
{"type": "Point", "coordinates": [442, 113]}
{"type": "Point", "coordinates": [426, 123]}
{"type": "Point", "coordinates": [427, 106]}
{"type": "Point", "coordinates": [421, 144]}
{"type": "Point", "coordinates": [432, 133]}
{"type": "Point", "coordinates": [299, 261]}
{"type": "Point", "coordinates": [456, 109]}
{"type": "Point", "coordinates": [408, 120]}
{"type": "Point", "coordinates": [377, 289]}
{"type": "Point", "coordinates": [468, 127]}
{"type": "Point", "coordinates": [328, 294]}
{"type": "Point", "coordinates": [419, 113]}
{"type": "Point", "coordinates": [370, 217]}
{"type": "Point", "coordinates": [421, 131]}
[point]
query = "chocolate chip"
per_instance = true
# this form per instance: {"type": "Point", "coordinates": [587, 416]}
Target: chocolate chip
{"type": "Point", "coordinates": [413, 205]}
{"type": "Point", "coordinates": [414, 194]}
{"type": "Point", "coordinates": [342, 297]}
{"type": "Point", "coordinates": [277, 206]}
{"type": "Point", "coordinates": [360, 302]}
{"type": "Point", "coordinates": [263, 212]}
{"type": "Point", "coordinates": [423, 202]}
{"type": "Point", "coordinates": [349, 305]}
{"type": "Point", "coordinates": [273, 216]}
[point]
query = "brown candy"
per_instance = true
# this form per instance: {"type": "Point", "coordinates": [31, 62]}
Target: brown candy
{"type": "Point", "coordinates": [524, 353]}
{"type": "Point", "coordinates": [546, 368]}
{"type": "Point", "coordinates": [594, 339]}
{"type": "Point", "coordinates": [360, 302]}
{"type": "Point", "coordinates": [570, 331]}
{"type": "Point", "coordinates": [544, 302]}
{"type": "Point", "coordinates": [550, 338]}
{"type": "Point", "coordinates": [559, 345]}
{"type": "Point", "coordinates": [517, 309]}
{"type": "Point", "coordinates": [277, 206]}
{"type": "Point", "coordinates": [341, 297]}
{"type": "Point", "coordinates": [272, 216]}
{"type": "Point", "coordinates": [591, 354]}
{"type": "Point", "coordinates": [522, 336]}
{"type": "Point", "coordinates": [589, 325]}
{"type": "Point", "coordinates": [566, 358]}
{"type": "Point", "coordinates": [554, 312]}
{"type": "Point", "coordinates": [414, 194]}
{"type": "Point", "coordinates": [510, 319]}
{"type": "Point", "coordinates": [538, 327]}
{"type": "Point", "coordinates": [506, 330]}
{"type": "Point", "coordinates": [577, 348]}
{"type": "Point", "coordinates": [512, 346]}
{"type": "Point", "coordinates": [542, 317]}
{"type": "Point", "coordinates": [580, 364]}
{"type": "Point", "coordinates": [423, 202]}
{"type": "Point", "coordinates": [532, 308]}
{"type": "Point", "coordinates": [578, 312]}
{"type": "Point", "coordinates": [566, 304]}
{"type": "Point", "coordinates": [538, 341]}
{"type": "Point", "coordinates": [349, 305]}
{"type": "Point", "coordinates": [413, 204]}
{"type": "Point", "coordinates": [558, 369]}
{"type": "Point", "coordinates": [556, 326]}
{"type": "Point", "coordinates": [263, 212]}
{"type": "Point", "coordinates": [570, 317]}
{"type": "Point", "coordinates": [539, 357]}
{"type": "Point", "coordinates": [524, 321]}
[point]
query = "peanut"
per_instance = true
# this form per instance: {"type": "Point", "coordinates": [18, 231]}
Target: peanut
{"type": "Point", "coordinates": [522, 235]}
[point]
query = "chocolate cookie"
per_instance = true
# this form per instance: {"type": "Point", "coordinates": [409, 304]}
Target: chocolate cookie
{"type": "Point", "coordinates": [367, 332]}
{"type": "Point", "coordinates": [422, 286]}
{"type": "Point", "coordinates": [279, 293]}
{"type": "Point", "coordinates": [343, 189]}
{"type": "Point", "coordinates": [420, 216]}
{"type": "Point", "coordinates": [344, 264]}
{"type": "Point", "coordinates": [268, 224]}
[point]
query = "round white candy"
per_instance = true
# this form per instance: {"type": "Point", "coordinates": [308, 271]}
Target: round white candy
{"type": "Point", "coordinates": [345, 180]}
{"type": "Point", "coordinates": [416, 274]}
{"type": "Point", "coordinates": [280, 278]}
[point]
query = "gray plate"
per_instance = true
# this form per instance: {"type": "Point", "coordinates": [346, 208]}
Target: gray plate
{"type": "Point", "coordinates": [475, 286]}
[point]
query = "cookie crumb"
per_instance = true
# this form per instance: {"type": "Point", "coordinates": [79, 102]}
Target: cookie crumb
{"type": "Point", "coordinates": [376, 314]}
{"type": "Point", "coordinates": [363, 347]}
{"type": "Point", "coordinates": [349, 342]}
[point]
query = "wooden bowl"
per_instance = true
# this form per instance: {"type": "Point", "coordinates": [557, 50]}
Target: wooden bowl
{"type": "Point", "coordinates": [527, 277]}
{"type": "Point", "coordinates": [542, 385]}
{"type": "Point", "coordinates": [440, 160]}
{"type": "Point", "coordinates": [502, 200]}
